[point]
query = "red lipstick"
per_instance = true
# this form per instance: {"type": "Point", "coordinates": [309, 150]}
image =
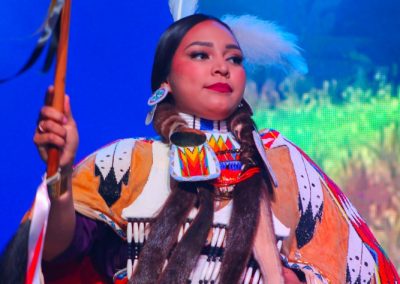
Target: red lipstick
{"type": "Point", "coordinates": [220, 87]}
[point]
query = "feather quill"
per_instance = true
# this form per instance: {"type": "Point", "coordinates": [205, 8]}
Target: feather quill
{"type": "Point", "coordinates": [182, 8]}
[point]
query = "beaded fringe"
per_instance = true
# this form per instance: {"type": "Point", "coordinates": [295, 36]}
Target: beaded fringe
{"type": "Point", "coordinates": [209, 264]}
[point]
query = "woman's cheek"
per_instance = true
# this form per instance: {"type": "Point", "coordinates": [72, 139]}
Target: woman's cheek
{"type": "Point", "coordinates": [241, 78]}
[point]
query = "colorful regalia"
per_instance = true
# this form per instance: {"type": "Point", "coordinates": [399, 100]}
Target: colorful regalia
{"type": "Point", "coordinates": [119, 189]}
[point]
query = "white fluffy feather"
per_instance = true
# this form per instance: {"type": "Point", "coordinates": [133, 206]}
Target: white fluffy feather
{"type": "Point", "coordinates": [264, 43]}
{"type": "Point", "coordinates": [182, 8]}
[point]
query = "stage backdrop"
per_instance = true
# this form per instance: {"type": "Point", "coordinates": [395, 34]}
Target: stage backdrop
{"type": "Point", "coordinates": [345, 113]}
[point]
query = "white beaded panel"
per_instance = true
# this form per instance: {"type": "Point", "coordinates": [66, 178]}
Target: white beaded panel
{"type": "Point", "coordinates": [104, 159]}
{"type": "Point", "coordinates": [122, 158]}
{"type": "Point", "coordinates": [359, 260]}
{"type": "Point", "coordinates": [156, 190]}
{"type": "Point", "coordinates": [117, 156]}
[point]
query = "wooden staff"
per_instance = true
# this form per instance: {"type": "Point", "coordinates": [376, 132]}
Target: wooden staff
{"type": "Point", "coordinates": [53, 160]}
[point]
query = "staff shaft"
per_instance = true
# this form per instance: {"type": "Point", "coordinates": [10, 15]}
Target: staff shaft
{"type": "Point", "coordinates": [59, 84]}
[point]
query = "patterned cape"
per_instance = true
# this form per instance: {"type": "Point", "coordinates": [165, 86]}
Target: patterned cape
{"type": "Point", "coordinates": [328, 239]}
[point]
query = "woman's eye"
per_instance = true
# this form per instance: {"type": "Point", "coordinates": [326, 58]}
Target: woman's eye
{"type": "Point", "coordinates": [238, 60]}
{"type": "Point", "coordinates": [199, 55]}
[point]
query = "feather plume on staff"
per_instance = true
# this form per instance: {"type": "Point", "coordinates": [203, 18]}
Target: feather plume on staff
{"type": "Point", "coordinates": [49, 33]}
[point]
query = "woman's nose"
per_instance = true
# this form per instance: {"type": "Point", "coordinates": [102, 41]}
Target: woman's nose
{"type": "Point", "coordinates": [221, 68]}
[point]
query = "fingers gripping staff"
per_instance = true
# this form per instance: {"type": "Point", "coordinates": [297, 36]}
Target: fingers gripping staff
{"type": "Point", "coordinates": [50, 186]}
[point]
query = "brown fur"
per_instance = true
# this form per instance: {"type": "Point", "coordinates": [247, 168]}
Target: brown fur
{"type": "Point", "coordinates": [167, 120]}
{"type": "Point", "coordinates": [165, 229]}
{"type": "Point", "coordinates": [242, 228]}
{"type": "Point", "coordinates": [246, 201]}
{"type": "Point", "coordinates": [163, 233]}
{"type": "Point", "coordinates": [184, 257]}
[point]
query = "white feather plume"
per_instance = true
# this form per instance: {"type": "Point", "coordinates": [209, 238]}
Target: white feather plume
{"type": "Point", "coordinates": [264, 43]}
{"type": "Point", "coordinates": [182, 8]}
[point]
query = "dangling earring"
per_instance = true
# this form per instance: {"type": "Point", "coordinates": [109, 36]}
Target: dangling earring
{"type": "Point", "coordinates": [158, 96]}
{"type": "Point", "coordinates": [240, 105]}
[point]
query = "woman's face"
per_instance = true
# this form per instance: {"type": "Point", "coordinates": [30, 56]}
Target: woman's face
{"type": "Point", "coordinates": [207, 78]}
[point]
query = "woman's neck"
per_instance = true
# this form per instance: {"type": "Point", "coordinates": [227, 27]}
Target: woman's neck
{"type": "Point", "coordinates": [203, 124]}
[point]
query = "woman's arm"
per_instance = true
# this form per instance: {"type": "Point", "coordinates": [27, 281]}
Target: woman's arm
{"type": "Point", "coordinates": [61, 221]}
{"type": "Point", "coordinates": [59, 129]}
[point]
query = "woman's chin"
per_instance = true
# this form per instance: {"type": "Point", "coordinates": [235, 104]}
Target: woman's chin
{"type": "Point", "coordinates": [216, 114]}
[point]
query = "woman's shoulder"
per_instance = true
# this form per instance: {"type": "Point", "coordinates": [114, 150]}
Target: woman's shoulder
{"type": "Point", "coordinates": [276, 145]}
{"type": "Point", "coordinates": [114, 176]}
{"type": "Point", "coordinates": [117, 152]}
{"type": "Point", "coordinates": [272, 138]}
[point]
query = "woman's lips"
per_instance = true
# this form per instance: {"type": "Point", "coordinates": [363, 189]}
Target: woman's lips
{"type": "Point", "coordinates": [220, 87]}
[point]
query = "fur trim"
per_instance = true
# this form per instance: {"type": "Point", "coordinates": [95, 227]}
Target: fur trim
{"type": "Point", "coordinates": [242, 228]}
{"type": "Point", "coordinates": [184, 257]}
{"type": "Point", "coordinates": [164, 233]}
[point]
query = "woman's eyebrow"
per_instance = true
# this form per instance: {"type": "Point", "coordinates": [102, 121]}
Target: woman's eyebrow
{"type": "Point", "coordinates": [232, 46]}
{"type": "Point", "coordinates": [210, 44]}
{"type": "Point", "coordinates": [201, 43]}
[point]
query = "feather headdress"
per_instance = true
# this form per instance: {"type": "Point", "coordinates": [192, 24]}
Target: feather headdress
{"type": "Point", "coordinates": [182, 8]}
{"type": "Point", "coordinates": [263, 43]}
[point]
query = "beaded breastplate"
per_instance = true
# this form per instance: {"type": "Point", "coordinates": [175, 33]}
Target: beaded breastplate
{"type": "Point", "coordinates": [217, 160]}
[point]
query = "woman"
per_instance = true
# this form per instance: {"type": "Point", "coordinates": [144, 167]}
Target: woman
{"type": "Point", "coordinates": [207, 208]}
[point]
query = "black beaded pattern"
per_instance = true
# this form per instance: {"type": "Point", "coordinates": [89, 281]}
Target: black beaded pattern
{"type": "Point", "coordinates": [109, 188]}
{"type": "Point", "coordinates": [306, 226]}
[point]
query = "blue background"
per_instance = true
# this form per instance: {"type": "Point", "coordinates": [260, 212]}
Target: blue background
{"type": "Point", "coordinates": [109, 64]}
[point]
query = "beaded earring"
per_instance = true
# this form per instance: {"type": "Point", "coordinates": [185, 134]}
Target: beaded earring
{"type": "Point", "coordinates": [158, 96]}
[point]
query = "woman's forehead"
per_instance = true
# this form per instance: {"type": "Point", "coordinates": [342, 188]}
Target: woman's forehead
{"type": "Point", "coordinates": [208, 31]}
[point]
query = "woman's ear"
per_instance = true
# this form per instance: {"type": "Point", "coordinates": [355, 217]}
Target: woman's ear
{"type": "Point", "coordinates": [166, 85]}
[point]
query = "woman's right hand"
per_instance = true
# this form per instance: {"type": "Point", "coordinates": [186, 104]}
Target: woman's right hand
{"type": "Point", "coordinates": [58, 129]}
